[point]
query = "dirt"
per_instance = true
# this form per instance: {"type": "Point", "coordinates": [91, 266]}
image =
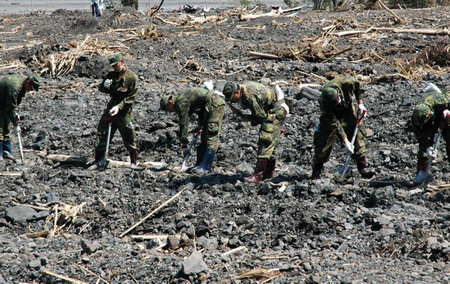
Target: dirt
{"type": "Point", "coordinates": [294, 230]}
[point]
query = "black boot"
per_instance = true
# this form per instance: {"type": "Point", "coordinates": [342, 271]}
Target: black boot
{"type": "Point", "coordinates": [270, 169]}
{"type": "Point", "coordinates": [257, 176]}
{"type": "Point", "coordinates": [363, 169]}
{"type": "Point", "coordinates": [1, 150]}
{"type": "Point", "coordinates": [206, 164]}
{"type": "Point", "coordinates": [201, 149]}
{"type": "Point", "coordinates": [316, 171]}
{"type": "Point", "coordinates": [133, 158]}
{"type": "Point", "coordinates": [7, 153]}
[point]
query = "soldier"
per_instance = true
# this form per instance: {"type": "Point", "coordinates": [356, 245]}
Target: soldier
{"type": "Point", "coordinates": [210, 108]}
{"type": "Point", "coordinates": [427, 117]}
{"type": "Point", "coordinates": [121, 85]}
{"type": "Point", "coordinates": [267, 109]}
{"type": "Point", "coordinates": [12, 91]}
{"type": "Point", "coordinates": [338, 121]}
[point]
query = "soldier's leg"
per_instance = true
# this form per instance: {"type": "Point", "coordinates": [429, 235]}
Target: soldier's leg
{"type": "Point", "coordinates": [446, 135]}
{"type": "Point", "coordinates": [7, 152]}
{"type": "Point", "coordinates": [3, 132]}
{"type": "Point", "coordinates": [128, 133]}
{"type": "Point", "coordinates": [102, 135]}
{"type": "Point", "coordinates": [323, 141]}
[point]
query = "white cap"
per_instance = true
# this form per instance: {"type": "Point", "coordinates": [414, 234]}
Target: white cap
{"type": "Point", "coordinates": [432, 88]}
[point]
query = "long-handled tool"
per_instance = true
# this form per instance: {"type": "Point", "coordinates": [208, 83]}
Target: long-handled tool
{"type": "Point", "coordinates": [190, 147]}
{"type": "Point", "coordinates": [424, 178]}
{"type": "Point", "coordinates": [104, 162]}
{"type": "Point", "coordinates": [342, 170]}
{"type": "Point", "coordinates": [17, 132]}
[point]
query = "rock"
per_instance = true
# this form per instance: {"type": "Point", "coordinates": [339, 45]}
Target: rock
{"type": "Point", "coordinates": [20, 213]}
{"type": "Point", "coordinates": [89, 247]}
{"type": "Point", "coordinates": [194, 264]}
{"type": "Point", "coordinates": [173, 242]}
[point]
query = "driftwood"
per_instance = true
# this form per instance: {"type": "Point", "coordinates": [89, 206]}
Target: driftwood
{"type": "Point", "coordinates": [152, 237]}
{"type": "Point", "coordinates": [259, 274]}
{"type": "Point", "coordinates": [152, 213]}
{"type": "Point", "coordinates": [264, 55]}
{"type": "Point", "coordinates": [10, 174]}
{"type": "Point", "coordinates": [83, 161]}
{"type": "Point", "coordinates": [394, 30]}
{"type": "Point", "coordinates": [238, 249]}
{"type": "Point", "coordinates": [274, 13]}
{"type": "Point", "coordinates": [398, 20]}
{"type": "Point", "coordinates": [63, 277]}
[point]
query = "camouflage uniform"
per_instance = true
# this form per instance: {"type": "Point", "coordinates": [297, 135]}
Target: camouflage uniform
{"type": "Point", "coordinates": [265, 109]}
{"type": "Point", "coordinates": [209, 107]}
{"type": "Point", "coordinates": [338, 121]}
{"type": "Point", "coordinates": [123, 92]}
{"type": "Point", "coordinates": [12, 92]}
{"type": "Point", "coordinates": [424, 132]}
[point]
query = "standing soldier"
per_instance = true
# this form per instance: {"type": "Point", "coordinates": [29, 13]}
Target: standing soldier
{"type": "Point", "coordinates": [12, 91]}
{"type": "Point", "coordinates": [267, 109]}
{"type": "Point", "coordinates": [430, 114]}
{"type": "Point", "coordinates": [121, 85]}
{"type": "Point", "coordinates": [338, 121]}
{"type": "Point", "coordinates": [210, 107]}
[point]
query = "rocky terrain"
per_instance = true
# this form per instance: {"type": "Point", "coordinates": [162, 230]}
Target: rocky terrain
{"type": "Point", "coordinates": [61, 222]}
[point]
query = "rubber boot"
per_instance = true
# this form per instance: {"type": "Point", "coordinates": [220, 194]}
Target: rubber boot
{"type": "Point", "coordinates": [257, 176]}
{"type": "Point", "coordinates": [1, 151]}
{"type": "Point", "coordinates": [206, 164]}
{"type": "Point", "coordinates": [99, 156]}
{"type": "Point", "coordinates": [316, 171]}
{"type": "Point", "coordinates": [7, 153]}
{"type": "Point", "coordinates": [200, 153]}
{"type": "Point", "coordinates": [270, 169]}
{"type": "Point", "coordinates": [422, 165]}
{"type": "Point", "coordinates": [133, 158]}
{"type": "Point", "coordinates": [363, 169]}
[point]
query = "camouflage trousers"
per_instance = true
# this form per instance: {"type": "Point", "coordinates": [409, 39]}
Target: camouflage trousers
{"type": "Point", "coordinates": [5, 127]}
{"type": "Point", "coordinates": [270, 134]}
{"type": "Point", "coordinates": [211, 127]}
{"type": "Point", "coordinates": [325, 138]}
{"type": "Point", "coordinates": [426, 141]}
{"type": "Point", "coordinates": [126, 128]}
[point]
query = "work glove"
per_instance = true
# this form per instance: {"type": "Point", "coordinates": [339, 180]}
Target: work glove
{"type": "Point", "coordinates": [114, 110]}
{"type": "Point", "coordinates": [16, 129]}
{"type": "Point", "coordinates": [362, 110]}
{"type": "Point", "coordinates": [349, 146]}
{"type": "Point", "coordinates": [446, 114]}
{"type": "Point", "coordinates": [431, 152]}
{"type": "Point", "coordinates": [107, 83]}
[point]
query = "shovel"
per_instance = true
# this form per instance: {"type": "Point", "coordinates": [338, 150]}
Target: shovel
{"type": "Point", "coordinates": [104, 162]}
{"type": "Point", "coordinates": [186, 158]}
{"type": "Point", "coordinates": [342, 169]}
{"type": "Point", "coordinates": [20, 145]}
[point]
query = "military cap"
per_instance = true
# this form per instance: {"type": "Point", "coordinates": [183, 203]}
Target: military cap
{"type": "Point", "coordinates": [330, 96]}
{"type": "Point", "coordinates": [163, 102]}
{"type": "Point", "coordinates": [229, 89]}
{"type": "Point", "coordinates": [115, 58]}
{"type": "Point", "coordinates": [421, 114]}
{"type": "Point", "coordinates": [36, 81]}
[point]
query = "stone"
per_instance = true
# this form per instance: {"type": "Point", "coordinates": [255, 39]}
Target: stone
{"type": "Point", "coordinates": [194, 264]}
{"type": "Point", "coordinates": [19, 213]}
{"type": "Point", "coordinates": [173, 242]}
{"type": "Point", "coordinates": [89, 247]}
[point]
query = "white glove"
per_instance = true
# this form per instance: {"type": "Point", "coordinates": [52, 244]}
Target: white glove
{"type": "Point", "coordinates": [349, 146]}
{"type": "Point", "coordinates": [107, 83]}
{"type": "Point", "coordinates": [209, 85]}
{"type": "Point", "coordinates": [286, 108]}
{"type": "Point", "coordinates": [446, 113]}
{"type": "Point", "coordinates": [16, 129]}
{"type": "Point", "coordinates": [431, 152]}
{"type": "Point", "coordinates": [114, 110]}
{"type": "Point", "coordinates": [362, 110]}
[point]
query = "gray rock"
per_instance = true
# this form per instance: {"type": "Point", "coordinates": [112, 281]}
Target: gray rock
{"type": "Point", "coordinates": [20, 213]}
{"type": "Point", "coordinates": [89, 247]}
{"type": "Point", "coordinates": [173, 242]}
{"type": "Point", "coordinates": [194, 264]}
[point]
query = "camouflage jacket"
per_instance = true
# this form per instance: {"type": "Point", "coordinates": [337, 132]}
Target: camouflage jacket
{"type": "Point", "coordinates": [11, 95]}
{"type": "Point", "coordinates": [332, 115]}
{"type": "Point", "coordinates": [259, 99]}
{"type": "Point", "coordinates": [194, 100]}
{"type": "Point", "coordinates": [122, 91]}
{"type": "Point", "coordinates": [438, 103]}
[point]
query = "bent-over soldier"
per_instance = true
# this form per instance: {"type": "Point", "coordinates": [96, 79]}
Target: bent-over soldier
{"type": "Point", "coordinates": [269, 110]}
{"type": "Point", "coordinates": [209, 106]}
{"type": "Point", "coordinates": [338, 121]}
{"type": "Point", "coordinates": [431, 112]}
{"type": "Point", "coordinates": [12, 90]}
{"type": "Point", "coordinates": [121, 85]}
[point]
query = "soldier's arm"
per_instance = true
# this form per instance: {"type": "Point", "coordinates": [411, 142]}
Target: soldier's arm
{"type": "Point", "coordinates": [101, 86]}
{"type": "Point", "coordinates": [258, 113]}
{"type": "Point", "coordinates": [183, 117]}
{"type": "Point", "coordinates": [130, 89]}
{"type": "Point", "coordinates": [12, 104]}
{"type": "Point", "coordinates": [334, 124]}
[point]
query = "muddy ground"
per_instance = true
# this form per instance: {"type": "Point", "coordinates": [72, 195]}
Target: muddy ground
{"type": "Point", "coordinates": [287, 230]}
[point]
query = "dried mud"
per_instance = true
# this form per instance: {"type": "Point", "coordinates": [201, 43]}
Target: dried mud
{"type": "Point", "coordinates": [293, 229]}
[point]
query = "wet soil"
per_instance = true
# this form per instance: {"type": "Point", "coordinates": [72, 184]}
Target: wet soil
{"type": "Point", "coordinates": [293, 229]}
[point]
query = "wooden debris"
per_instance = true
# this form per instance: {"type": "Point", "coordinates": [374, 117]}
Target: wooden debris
{"type": "Point", "coordinates": [264, 55]}
{"type": "Point", "coordinates": [238, 249]}
{"type": "Point", "coordinates": [63, 277]}
{"type": "Point", "coordinates": [41, 234]}
{"type": "Point", "coordinates": [259, 274]}
{"type": "Point", "coordinates": [152, 213]}
{"type": "Point", "coordinates": [397, 19]}
{"type": "Point", "coordinates": [12, 65]}
{"type": "Point", "coordinates": [83, 161]}
{"type": "Point", "coordinates": [152, 237]}
{"type": "Point", "coordinates": [10, 174]}
{"type": "Point", "coordinates": [395, 30]}
{"type": "Point", "coordinates": [92, 273]}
